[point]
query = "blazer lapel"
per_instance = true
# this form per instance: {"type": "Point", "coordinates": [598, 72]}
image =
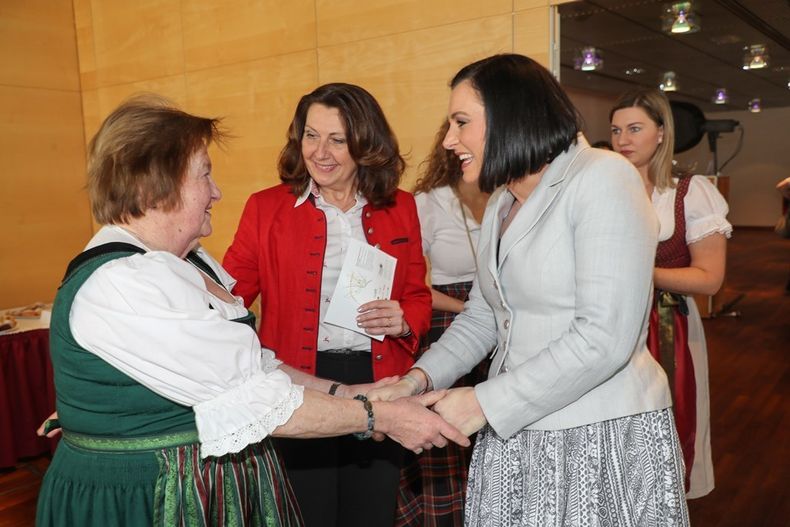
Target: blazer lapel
{"type": "Point", "coordinates": [540, 201]}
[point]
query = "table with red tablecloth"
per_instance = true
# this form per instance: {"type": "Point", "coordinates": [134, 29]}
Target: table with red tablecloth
{"type": "Point", "coordinates": [27, 395]}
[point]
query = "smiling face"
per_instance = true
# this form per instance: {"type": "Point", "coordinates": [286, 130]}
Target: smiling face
{"type": "Point", "coordinates": [636, 136]}
{"type": "Point", "coordinates": [466, 136]}
{"type": "Point", "coordinates": [325, 149]}
{"type": "Point", "coordinates": [192, 219]}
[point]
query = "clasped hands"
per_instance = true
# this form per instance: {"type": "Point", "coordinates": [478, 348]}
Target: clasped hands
{"type": "Point", "coordinates": [456, 413]}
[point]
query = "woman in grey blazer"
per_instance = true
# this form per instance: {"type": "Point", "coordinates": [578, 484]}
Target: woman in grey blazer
{"type": "Point", "coordinates": [574, 419]}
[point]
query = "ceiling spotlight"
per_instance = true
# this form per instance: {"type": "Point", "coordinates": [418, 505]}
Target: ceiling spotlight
{"type": "Point", "coordinates": [720, 96]}
{"type": "Point", "coordinates": [755, 57]}
{"type": "Point", "coordinates": [590, 60]}
{"type": "Point", "coordinates": [755, 105]}
{"type": "Point", "coordinates": [634, 71]}
{"type": "Point", "coordinates": [680, 17]}
{"type": "Point", "coordinates": [669, 83]}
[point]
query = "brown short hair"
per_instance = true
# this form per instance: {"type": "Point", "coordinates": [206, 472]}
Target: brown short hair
{"type": "Point", "coordinates": [139, 157]}
{"type": "Point", "coordinates": [371, 143]}
{"type": "Point", "coordinates": [656, 106]}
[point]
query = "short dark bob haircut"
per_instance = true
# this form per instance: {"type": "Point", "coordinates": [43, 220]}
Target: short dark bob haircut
{"type": "Point", "coordinates": [371, 143]}
{"type": "Point", "coordinates": [139, 157]}
{"type": "Point", "coordinates": [529, 118]}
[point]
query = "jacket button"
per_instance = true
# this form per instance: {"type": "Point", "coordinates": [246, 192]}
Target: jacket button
{"type": "Point", "coordinates": [370, 230]}
{"type": "Point", "coordinates": [506, 323]}
{"type": "Point", "coordinates": [367, 214]}
{"type": "Point", "coordinates": [379, 357]}
{"type": "Point", "coordinates": [377, 246]}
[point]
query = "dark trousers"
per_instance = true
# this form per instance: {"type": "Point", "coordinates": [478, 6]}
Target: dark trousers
{"type": "Point", "coordinates": [341, 481]}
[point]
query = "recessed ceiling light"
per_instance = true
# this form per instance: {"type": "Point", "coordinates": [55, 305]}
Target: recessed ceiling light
{"type": "Point", "coordinates": [720, 96]}
{"type": "Point", "coordinates": [755, 105]}
{"type": "Point", "coordinates": [680, 18]}
{"type": "Point", "coordinates": [755, 57]}
{"type": "Point", "coordinates": [669, 82]}
{"type": "Point", "coordinates": [589, 60]}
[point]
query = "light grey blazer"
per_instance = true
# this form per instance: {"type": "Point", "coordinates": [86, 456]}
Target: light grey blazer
{"type": "Point", "coordinates": [566, 302]}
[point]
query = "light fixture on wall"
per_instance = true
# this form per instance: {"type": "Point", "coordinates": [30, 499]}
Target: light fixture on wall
{"type": "Point", "coordinates": [680, 18]}
{"type": "Point", "coordinates": [720, 96]}
{"type": "Point", "coordinates": [755, 105]}
{"type": "Point", "coordinates": [755, 57]}
{"type": "Point", "coordinates": [669, 82]}
{"type": "Point", "coordinates": [589, 60]}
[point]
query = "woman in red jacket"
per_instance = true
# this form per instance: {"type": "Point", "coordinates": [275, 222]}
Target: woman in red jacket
{"type": "Point", "coordinates": [340, 172]}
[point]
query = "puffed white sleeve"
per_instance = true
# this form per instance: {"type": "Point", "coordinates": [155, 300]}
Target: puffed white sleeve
{"type": "Point", "coordinates": [148, 315]}
{"type": "Point", "coordinates": [706, 211]}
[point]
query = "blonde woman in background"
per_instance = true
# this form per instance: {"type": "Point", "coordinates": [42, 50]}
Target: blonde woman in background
{"type": "Point", "coordinates": [690, 260]}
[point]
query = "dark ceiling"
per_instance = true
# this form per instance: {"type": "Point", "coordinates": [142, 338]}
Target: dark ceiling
{"type": "Point", "coordinates": [629, 36]}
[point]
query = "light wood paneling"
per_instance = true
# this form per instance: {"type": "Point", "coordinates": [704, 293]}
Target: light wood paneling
{"type": "Point", "coordinates": [341, 21]}
{"type": "Point", "coordinates": [531, 34]}
{"type": "Point", "coordinates": [408, 73]}
{"type": "Point", "coordinates": [46, 220]}
{"type": "Point", "coordinates": [97, 104]}
{"type": "Point", "coordinates": [38, 44]}
{"type": "Point", "coordinates": [257, 100]}
{"type": "Point", "coordinates": [219, 32]}
{"type": "Point", "coordinates": [136, 41]}
{"type": "Point", "coordinates": [519, 5]}
{"type": "Point", "coordinates": [86, 47]}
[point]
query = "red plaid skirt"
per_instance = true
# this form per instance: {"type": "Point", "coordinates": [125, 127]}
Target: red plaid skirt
{"type": "Point", "coordinates": [433, 484]}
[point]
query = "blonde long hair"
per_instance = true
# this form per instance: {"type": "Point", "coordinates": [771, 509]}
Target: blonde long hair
{"type": "Point", "coordinates": [655, 104]}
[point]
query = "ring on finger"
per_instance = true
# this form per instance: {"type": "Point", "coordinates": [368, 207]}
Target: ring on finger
{"type": "Point", "coordinates": [418, 451]}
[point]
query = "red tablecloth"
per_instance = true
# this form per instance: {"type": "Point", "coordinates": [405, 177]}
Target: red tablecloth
{"type": "Point", "coordinates": [27, 395]}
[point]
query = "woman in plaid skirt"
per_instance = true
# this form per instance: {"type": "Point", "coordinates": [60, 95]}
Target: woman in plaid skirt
{"type": "Point", "coordinates": [433, 484]}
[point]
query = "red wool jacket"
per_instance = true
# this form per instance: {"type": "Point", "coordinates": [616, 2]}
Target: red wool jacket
{"type": "Point", "coordinates": [278, 251]}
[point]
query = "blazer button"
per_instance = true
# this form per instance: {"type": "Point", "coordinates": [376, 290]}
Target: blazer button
{"type": "Point", "coordinates": [367, 214]}
{"type": "Point", "coordinates": [370, 230]}
{"type": "Point", "coordinates": [377, 246]}
{"type": "Point", "coordinates": [379, 357]}
{"type": "Point", "coordinates": [506, 323]}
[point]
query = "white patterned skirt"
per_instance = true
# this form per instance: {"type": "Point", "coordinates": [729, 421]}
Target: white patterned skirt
{"type": "Point", "coordinates": [622, 472]}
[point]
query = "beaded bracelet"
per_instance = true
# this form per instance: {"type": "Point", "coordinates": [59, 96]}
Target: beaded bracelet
{"type": "Point", "coordinates": [371, 420]}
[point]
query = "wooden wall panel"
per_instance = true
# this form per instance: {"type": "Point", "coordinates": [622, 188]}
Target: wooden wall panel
{"type": "Point", "coordinates": [341, 21]}
{"type": "Point", "coordinates": [531, 37]}
{"type": "Point", "coordinates": [408, 73]}
{"type": "Point", "coordinates": [38, 44]}
{"type": "Point", "coordinates": [519, 5]}
{"type": "Point", "coordinates": [98, 103]}
{"type": "Point", "coordinates": [233, 31]}
{"type": "Point", "coordinates": [136, 41]}
{"type": "Point", "coordinates": [45, 213]}
{"type": "Point", "coordinates": [256, 100]}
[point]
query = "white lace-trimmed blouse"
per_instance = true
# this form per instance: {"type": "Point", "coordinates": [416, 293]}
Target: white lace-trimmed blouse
{"type": "Point", "coordinates": [148, 315]}
{"type": "Point", "coordinates": [706, 211]}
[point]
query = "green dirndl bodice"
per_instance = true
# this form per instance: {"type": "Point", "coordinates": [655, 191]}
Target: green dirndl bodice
{"type": "Point", "coordinates": [130, 457]}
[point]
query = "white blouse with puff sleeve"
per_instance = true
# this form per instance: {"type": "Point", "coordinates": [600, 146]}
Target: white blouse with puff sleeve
{"type": "Point", "coordinates": [148, 315]}
{"type": "Point", "coordinates": [706, 211]}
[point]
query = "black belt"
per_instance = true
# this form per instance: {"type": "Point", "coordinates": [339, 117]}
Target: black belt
{"type": "Point", "coordinates": [346, 352]}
